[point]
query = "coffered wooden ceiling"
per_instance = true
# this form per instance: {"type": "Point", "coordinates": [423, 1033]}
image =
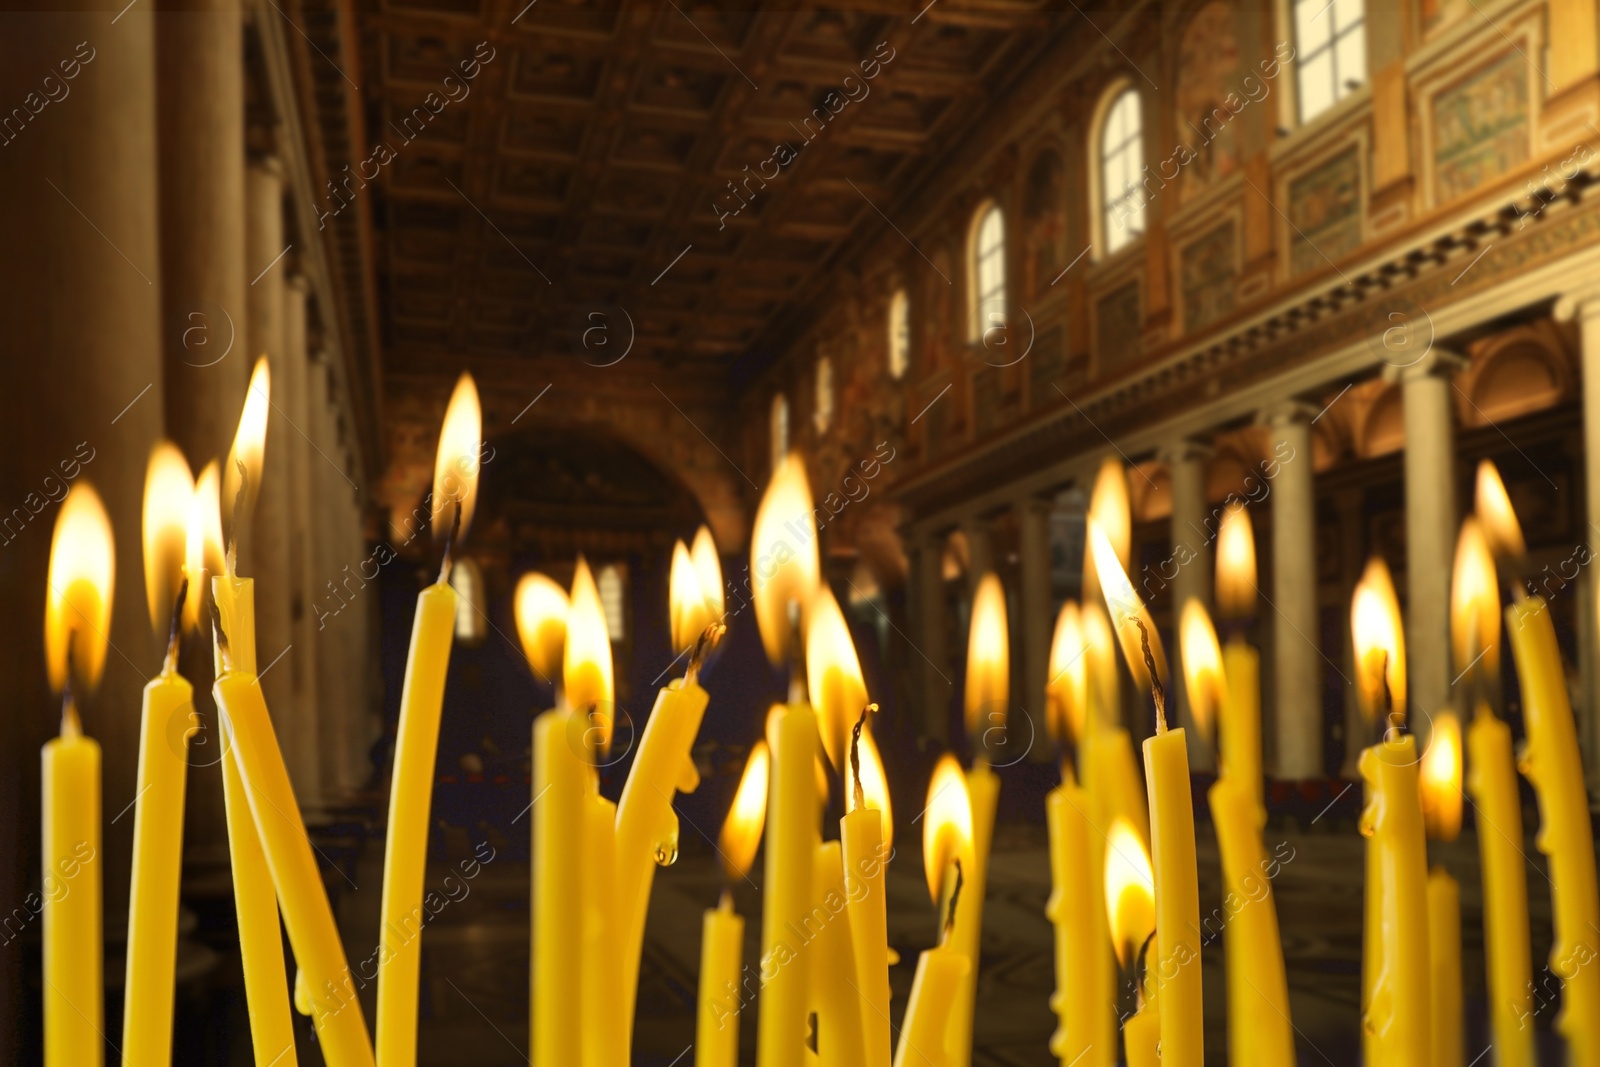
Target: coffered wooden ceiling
{"type": "Point", "coordinates": [580, 172]}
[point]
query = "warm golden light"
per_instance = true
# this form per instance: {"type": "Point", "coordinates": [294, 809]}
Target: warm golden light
{"type": "Point", "coordinates": [988, 661]}
{"type": "Point", "coordinates": [690, 612]}
{"type": "Point", "coordinates": [1236, 564]}
{"type": "Point", "coordinates": [249, 443]}
{"type": "Point", "coordinates": [708, 567]}
{"type": "Point", "coordinates": [1379, 642]}
{"type": "Point", "coordinates": [783, 552]}
{"type": "Point", "coordinates": [1109, 510]}
{"type": "Point", "coordinates": [82, 577]}
{"type": "Point", "coordinates": [168, 492]}
{"type": "Point", "coordinates": [1100, 655]}
{"type": "Point", "coordinates": [1126, 612]}
{"type": "Point", "coordinates": [456, 463]}
{"type": "Point", "coordinates": [946, 825]}
{"type": "Point", "coordinates": [1202, 667]}
{"type": "Point", "coordinates": [541, 607]}
{"type": "Point", "coordinates": [1493, 507]}
{"type": "Point", "coordinates": [1475, 604]}
{"type": "Point", "coordinates": [741, 832]}
{"type": "Point", "coordinates": [1066, 691]}
{"type": "Point", "coordinates": [833, 674]}
{"type": "Point", "coordinates": [874, 785]}
{"type": "Point", "coordinates": [202, 551]}
{"type": "Point", "coordinates": [586, 659]}
{"type": "Point", "coordinates": [1440, 777]}
{"type": "Point", "coordinates": [1130, 890]}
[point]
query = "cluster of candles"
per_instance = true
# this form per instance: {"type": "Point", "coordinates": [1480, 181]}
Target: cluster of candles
{"type": "Point", "coordinates": [1123, 859]}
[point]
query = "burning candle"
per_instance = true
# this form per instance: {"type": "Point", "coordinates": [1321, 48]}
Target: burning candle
{"type": "Point", "coordinates": [722, 930]}
{"type": "Point", "coordinates": [1241, 663]}
{"type": "Point", "coordinates": [1130, 896]}
{"type": "Point", "coordinates": [1440, 782]}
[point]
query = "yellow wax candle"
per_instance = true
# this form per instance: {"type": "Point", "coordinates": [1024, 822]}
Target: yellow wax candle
{"type": "Point", "coordinates": [1177, 963]}
{"type": "Point", "coordinates": [928, 1033]}
{"type": "Point", "coordinates": [866, 856]}
{"type": "Point", "coordinates": [1444, 976]}
{"type": "Point", "coordinates": [405, 854]}
{"type": "Point", "coordinates": [792, 835]}
{"type": "Point", "coordinates": [1083, 999]}
{"type": "Point", "coordinates": [157, 867]}
{"type": "Point", "coordinates": [1129, 895]}
{"type": "Point", "coordinates": [1259, 1030]}
{"type": "Point", "coordinates": [1552, 762]}
{"type": "Point", "coordinates": [1114, 782]}
{"type": "Point", "coordinates": [604, 1042]}
{"type": "Point", "coordinates": [1141, 1034]}
{"type": "Point", "coordinates": [560, 778]}
{"type": "Point", "coordinates": [73, 990]}
{"type": "Point", "coordinates": [266, 981]}
{"type": "Point", "coordinates": [341, 1027]}
{"type": "Point", "coordinates": [1491, 779]}
{"type": "Point", "coordinates": [716, 1038]}
{"type": "Point", "coordinates": [1397, 1009]}
{"type": "Point", "coordinates": [834, 995]}
{"type": "Point", "coordinates": [926, 1039]}
{"type": "Point", "coordinates": [1241, 728]}
{"type": "Point", "coordinates": [983, 789]}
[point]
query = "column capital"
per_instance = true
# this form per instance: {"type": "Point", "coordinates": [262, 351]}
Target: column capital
{"type": "Point", "coordinates": [1435, 362]}
{"type": "Point", "coordinates": [1579, 305]}
{"type": "Point", "coordinates": [1184, 448]}
{"type": "Point", "coordinates": [1034, 505]}
{"type": "Point", "coordinates": [270, 165]}
{"type": "Point", "coordinates": [1286, 412]}
{"type": "Point", "coordinates": [297, 283]}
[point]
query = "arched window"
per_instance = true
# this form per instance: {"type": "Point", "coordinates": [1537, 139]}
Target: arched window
{"type": "Point", "coordinates": [1331, 39]}
{"type": "Point", "coordinates": [822, 417]}
{"type": "Point", "coordinates": [899, 334]}
{"type": "Point", "coordinates": [987, 282]}
{"type": "Point", "coordinates": [467, 580]}
{"type": "Point", "coordinates": [611, 583]}
{"type": "Point", "coordinates": [778, 428]}
{"type": "Point", "coordinates": [1121, 155]}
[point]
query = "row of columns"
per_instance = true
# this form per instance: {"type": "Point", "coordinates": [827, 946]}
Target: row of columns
{"type": "Point", "coordinates": [1294, 686]}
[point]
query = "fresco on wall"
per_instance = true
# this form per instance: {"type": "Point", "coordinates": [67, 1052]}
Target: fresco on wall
{"type": "Point", "coordinates": [1208, 69]}
{"type": "Point", "coordinates": [986, 406]}
{"type": "Point", "coordinates": [1117, 326]}
{"type": "Point", "coordinates": [1045, 223]}
{"type": "Point", "coordinates": [1325, 212]}
{"type": "Point", "coordinates": [1437, 14]}
{"type": "Point", "coordinates": [1206, 274]}
{"type": "Point", "coordinates": [937, 297]}
{"type": "Point", "coordinates": [1480, 127]}
{"type": "Point", "coordinates": [1045, 364]}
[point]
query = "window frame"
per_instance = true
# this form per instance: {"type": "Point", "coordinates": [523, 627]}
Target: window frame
{"type": "Point", "coordinates": [899, 323]}
{"type": "Point", "coordinates": [1103, 203]}
{"type": "Point", "coordinates": [978, 258]}
{"type": "Point", "coordinates": [1305, 58]}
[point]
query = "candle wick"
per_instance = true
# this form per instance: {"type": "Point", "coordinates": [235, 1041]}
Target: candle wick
{"type": "Point", "coordinates": [855, 755]}
{"type": "Point", "coordinates": [1142, 964]}
{"type": "Point", "coordinates": [725, 901]}
{"type": "Point", "coordinates": [221, 636]}
{"type": "Point", "coordinates": [235, 517]}
{"type": "Point", "coordinates": [71, 725]}
{"type": "Point", "coordinates": [955, 898]}
{"type": "Point", "coordinates": [171, 663]}
{"type": "Point", "coordinates": [702, 647]}
{"type": "Point", "coordinates": [449, 544]}
{"type": "Point", "coordinates": [1158, 692]}
{"type": "Point", "coordinates": [1394, 718]}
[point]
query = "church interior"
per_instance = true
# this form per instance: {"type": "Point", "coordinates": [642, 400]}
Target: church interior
{"type": "Point", "coordinates": [965, 533]}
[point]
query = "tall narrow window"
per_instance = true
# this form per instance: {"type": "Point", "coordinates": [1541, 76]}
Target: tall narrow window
{"type": "Point", "coordinates": [1331, 38]}
{"type": "Point", "coordinates": [988, 272]}
{"type": "Point", "coordinates": [822, 417]}
{"type": "Point", "coordinates": [899, 334]}
{"type": "Point", "coordinates": [1121, 163]}
{"type": "Point", "coordinates": [779, 429]}
{"type": "Point", "coordinates": [466, 578]}
{"type": "Point", "coordinates": [611, 584]}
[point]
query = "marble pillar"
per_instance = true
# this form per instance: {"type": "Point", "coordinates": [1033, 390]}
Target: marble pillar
{"type": "Point", "coordinates": [1584, 310]}
{"type": "Point", "coordinates": [80, 299]}
{"type": "Point", "coordinates": [935, 689]}
{"type": "Point", "coordinates": [1297, 663]}
{"type": "Point", "coordinates": [1036, 603]}
{"type": "Point", "coordinates": [1431, 526]}
{"type": "Point", "coordinates": [304, 513]}
{"type": "Point", "coordinates": [1190, 545]}
{"type": "Point", "coordinates": [980, 550]}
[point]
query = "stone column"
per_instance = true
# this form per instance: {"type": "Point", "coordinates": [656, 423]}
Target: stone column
{"type": "Point", "coordinates": [267, 560]}
{"type": "Point", "coordinates": [1430, 530]}
{"type": "Point", "coordinates": [980, 550]}
{"type": "Point", "coordinates": [200, 93]}
{"type": "Point", "coordinates": [1297, 660]}
{"type": "Point", "coordinates": [1035, 600]}
{"type": "Point", "coordinates": [304, 513]}
{"type": "Point", "coordinates": [1585, 310]}
{"type": "Point", "coordinates": [934, 689]}
{"type": "Point", "coordinates": [332, 619]}
{"type": "Point", "coordinates": [80, 299]}
{"type": "Point", "coordinates": [1191, 572]}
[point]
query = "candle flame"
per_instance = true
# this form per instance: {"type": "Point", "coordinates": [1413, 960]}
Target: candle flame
{"type": "Point", "coordinates": [1109, 510]}
{"type": "Point", "coordinates": [874, 784]}
{"type": "Point", "coordinates": [202, 555]}
{"type": "Point", "coordinates": [708, 567]}
{"type": "Point", "coordinates": [833, 674]}
{"type": "Point", "coordinates": [946, 824]}
{"type": "Point", "coordinates": [168, 493]}
{"type": "Point", "coordinates": [1494, 510]}
{"type": "Point", "coordinates": [687, 605]}
{"type": "Point", "coordinates": [1066, 692]}
{"type": "Point", "coordinates": [741, 833]}
{"type": "Point", "coordinates": [1440, 779]}
{"type": "Point", "coordinates": [1379, 643]}
{"type": "Point", "coordinates": [1202, 667]}
{"type": "Point", "coordinates": [541, 607]}
{"type": "Point", "coordinates": [82, 577]}
{"type": "Point", "coordinates": [458, 460]}
{"type": "Point", "coordinates": [1475, 604]}
{"type": "Point", "coordinates": [586, 659]}
{"type": "Point", "coordinates": [783, 552]}
{"type": "Point", "coordinates": [1124, 607]}
{"type": "Point", "coordinates": [988, 692]}
{"type": "Point", "coordinates": [1236, 564]}
{"type": "Point", "coordinates": [1130, 889]}
{"type": "Point", "coordinates": [249, 442]}
{"type": "Point", "coordinates": [1101, 654]}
